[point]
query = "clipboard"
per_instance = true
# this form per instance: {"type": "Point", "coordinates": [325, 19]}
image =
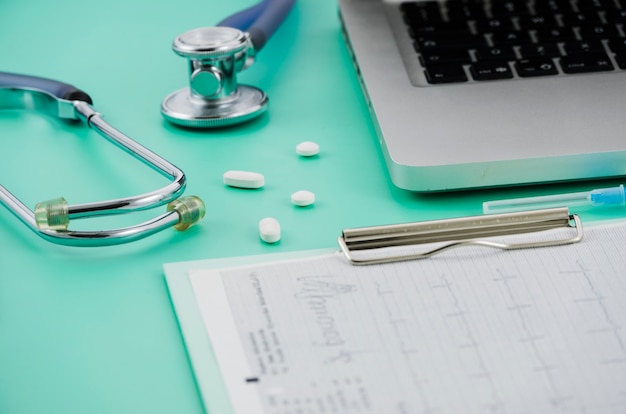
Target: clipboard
{"type": "Point", "coordinates": [206, 351]}
{"type": "Point", "coordinates": [459, 232]}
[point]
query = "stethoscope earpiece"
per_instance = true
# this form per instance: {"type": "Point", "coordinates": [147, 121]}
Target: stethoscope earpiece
{"type": "Point", "coordinates": [214, 98]}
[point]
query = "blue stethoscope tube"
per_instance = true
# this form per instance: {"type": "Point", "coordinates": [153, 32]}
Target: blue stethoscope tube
{"type": "Point", "coordinates": [260, 20]}
{"type": "Point", "coordinates": [58, 89]}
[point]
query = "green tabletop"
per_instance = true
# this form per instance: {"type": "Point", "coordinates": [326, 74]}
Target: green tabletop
{"type": "Point", "coordinates": [92, 330]}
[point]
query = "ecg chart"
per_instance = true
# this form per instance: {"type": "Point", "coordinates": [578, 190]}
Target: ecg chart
{"type": "Point", "coordinates": [472, 331]}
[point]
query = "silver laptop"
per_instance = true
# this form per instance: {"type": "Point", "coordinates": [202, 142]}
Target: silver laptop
{"type": "Point", "coordinates": [466, 94]}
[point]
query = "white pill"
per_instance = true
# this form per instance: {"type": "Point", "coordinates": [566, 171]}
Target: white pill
{"type": "Point", "coordinates": [269, 230]}
{"type": "Point", "coordinates": [303, 198]}
{"type": "Point", "coordinates": [244, 179]}
{"type": "Point", "coordinates": [307, 149]}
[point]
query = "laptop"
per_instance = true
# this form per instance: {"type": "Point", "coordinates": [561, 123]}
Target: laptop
{"type": "Point", "coordinates": [472, 94]}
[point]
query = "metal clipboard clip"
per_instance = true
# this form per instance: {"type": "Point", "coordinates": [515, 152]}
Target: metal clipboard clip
{"type": "Point", "coordinates": [457, 232]}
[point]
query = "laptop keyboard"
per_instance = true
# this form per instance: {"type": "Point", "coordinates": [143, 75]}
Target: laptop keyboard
{"type": "Point", "coordinates": [482, 40]}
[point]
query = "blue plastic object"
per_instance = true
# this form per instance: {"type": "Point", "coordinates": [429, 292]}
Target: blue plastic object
{"type": "Point", "coordinates": [59, 89]}
{"type": "Point", "coordinates": [612, 196]}
{"type": "Point", "coordinates": [243, 20]}
{"type": "Point", "coordinates": [261, 20]}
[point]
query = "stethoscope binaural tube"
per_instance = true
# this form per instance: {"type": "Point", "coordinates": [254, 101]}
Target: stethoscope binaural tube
{"type": "Point", "coordinates": [55, 88]}
{"type": "Point", "coordinates": [216, 55]}
{"type": "Point", "coordinates": [260, 21]}
{"type": "Point", "coordinates": [51, 219]}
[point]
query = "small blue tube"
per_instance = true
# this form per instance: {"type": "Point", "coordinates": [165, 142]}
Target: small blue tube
{"type": "Point", "coordinates": [261, 20]}
{"type": "Point", "coordinates": [601, 197]}
{"type": "Point", "coordinates": [613, 196]}
{"type": "Point", "coordinates": [244, 19]}
{"type": "Point", "coordinates": [59, 89]}
{"type": "Point", "coordinates": [269, 20]}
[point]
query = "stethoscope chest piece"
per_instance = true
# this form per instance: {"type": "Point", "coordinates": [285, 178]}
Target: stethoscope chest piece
{"type": "Point", "coordinates": [214, 98]}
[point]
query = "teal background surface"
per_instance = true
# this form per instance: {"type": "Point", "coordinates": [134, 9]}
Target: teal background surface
{"type": "Point", "coordinates": [91, 330]}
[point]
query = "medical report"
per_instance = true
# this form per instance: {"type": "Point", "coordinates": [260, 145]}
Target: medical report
{"type": "Point", "coordinates": [473, 330]}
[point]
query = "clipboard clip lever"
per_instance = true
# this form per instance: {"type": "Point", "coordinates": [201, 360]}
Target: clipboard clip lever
{"type": "Point", "coordinates": [458, 232]}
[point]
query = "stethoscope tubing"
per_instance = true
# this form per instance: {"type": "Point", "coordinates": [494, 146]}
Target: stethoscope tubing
{"type": "Point", "coordinates": [243, 19]}
{"type": "Point", "coordinates": [260, 21]}
{"type": "Point", "coordinates": [55, 88]}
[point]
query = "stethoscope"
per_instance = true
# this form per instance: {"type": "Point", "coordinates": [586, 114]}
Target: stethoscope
{"type": "Point", "coordinates": [216, 55]}
{"type": "Point", "coordinates": [213, 99]}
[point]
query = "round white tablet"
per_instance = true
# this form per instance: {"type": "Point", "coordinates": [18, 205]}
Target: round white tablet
{"type": "Point", "coordinates": [269, 230]}
{"type": "Point", "coordinates": [303, 198]}
{"type": "Point", "coordinates": [307, 149]}
{"type": "Point", "coordinates": [244, 179]}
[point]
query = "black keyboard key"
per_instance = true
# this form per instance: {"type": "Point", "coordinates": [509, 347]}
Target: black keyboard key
{"type": "Point", "coordinates": [595, 5]}
{"type": "Point", "coordinates": [539, 50]}
{"type": "Point", "coordinates": [598, 31]}
{"type": "Point", "coordinates": [433, 41]}
{"type": "Point", "coordinates": [456, 10]}
{"type": "Point", "coordinates": [423, 12]}
{"type": "Point", "coordinates": [553, 6]}
{"type": "Point", "coordinates": [440, 28]}
{"type": "Point", "coordinates": [558, 34]}
{"type": "Point", "coordinates": [491, 25]}
{"type": "Point", "coordinates": [537, 21]}
{"type": "Point", "coordinates": [449, 73]}
{"type": "Point", "coordinates": [509, 8]}
{"type": "Point", "coordinates": [616, 16]}
{"type": "Point", "coordinates": [574, 47]}
{"type": "Point", "coordinates": [495, 53]}
{"type": "Point", "coordinates": [620, 58]}
{"type": "Point", "coordinates": [576, 19]}
{"type": "Point", "coordinates": [491, 70]}
{"type": "Point", "coordinates": [586, 62]}
{"type": "Point", "coordinates": [512, 38]}
{"type": "Point", "coordinates": [617, 44]}
{"type": "Point", "coordinates": [445, 55]}
{"type": "Point", "coordinates": [533, 67]}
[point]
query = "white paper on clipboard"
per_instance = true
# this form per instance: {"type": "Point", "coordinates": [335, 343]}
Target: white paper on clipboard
{"type": "Point", "coordinates": [473, 331]}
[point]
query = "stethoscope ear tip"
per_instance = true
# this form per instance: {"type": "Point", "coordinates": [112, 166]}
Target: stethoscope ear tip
{"type": "Point", "coordinates": [190, 209]}
{"type": "Point", "coordinates": [52, 214]}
